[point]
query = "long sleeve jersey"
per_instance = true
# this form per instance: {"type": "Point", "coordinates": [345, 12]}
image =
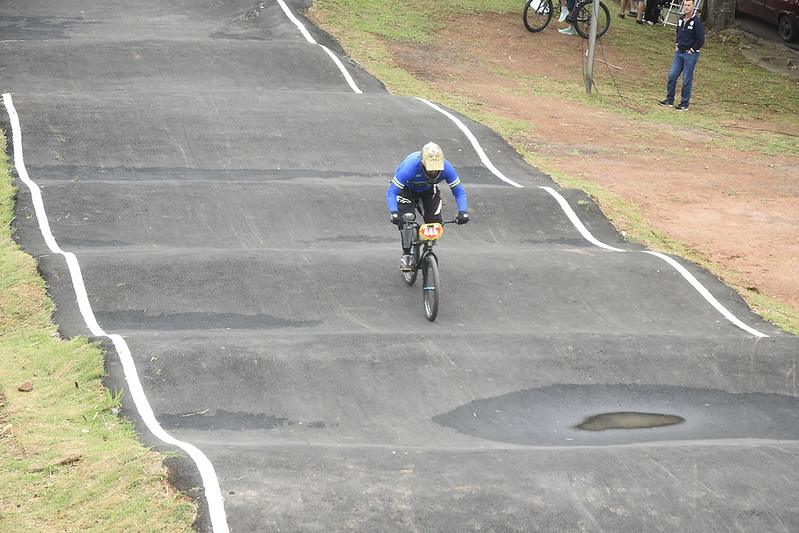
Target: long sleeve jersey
{"type": "Point", "coordinates": [410, 174]}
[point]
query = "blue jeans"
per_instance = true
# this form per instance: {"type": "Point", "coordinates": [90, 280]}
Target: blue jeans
{"type": "Point", "coordinates": [683, 63]}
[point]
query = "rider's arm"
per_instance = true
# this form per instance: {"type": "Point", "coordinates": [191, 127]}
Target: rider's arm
{"type": "Point", "coordinates": [460, 196]}
{"type": "Point", "coordinates": [391, 196]}
{"type": "Point", "coordinates": [455, 186]}
{"type": "Point", "coordinates": [404, 171]}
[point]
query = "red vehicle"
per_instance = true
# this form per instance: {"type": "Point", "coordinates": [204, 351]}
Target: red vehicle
{"type": "Point", "coordinates": [783, 13]}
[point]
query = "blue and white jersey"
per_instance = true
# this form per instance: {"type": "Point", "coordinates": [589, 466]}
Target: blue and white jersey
{"type": "Point", "coordinates": [411, 175]}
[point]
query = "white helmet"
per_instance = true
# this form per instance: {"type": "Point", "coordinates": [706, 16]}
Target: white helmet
{"type": "Point", "coordinates": [432, 157]}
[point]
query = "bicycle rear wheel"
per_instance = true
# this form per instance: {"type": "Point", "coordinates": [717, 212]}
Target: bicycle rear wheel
{"type": "Point", "coordinates": [582, 19]}
{"type": "Point", "coordinates": [537, 14]}
{"type": "Point", "coordinates": [430, 286]}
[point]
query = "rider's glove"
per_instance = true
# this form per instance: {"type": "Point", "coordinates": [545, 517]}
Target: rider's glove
{"type": "Point", "coordinates": [463, 217]}
{"type": "Point", "coordinates": [395, 217]}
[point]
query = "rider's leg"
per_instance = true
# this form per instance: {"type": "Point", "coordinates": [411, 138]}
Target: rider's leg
{"type": "Point", "coordinates": [432, 205]}
{"type": "Point", "coordinates": [406, 203]}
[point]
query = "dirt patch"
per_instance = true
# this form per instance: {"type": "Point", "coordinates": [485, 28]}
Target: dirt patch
{"type": "Point", "coordinates": [768, 55]}
{"type": "Point", "coordinates": [736, 208]}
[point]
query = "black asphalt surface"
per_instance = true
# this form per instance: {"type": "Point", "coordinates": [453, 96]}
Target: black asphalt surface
{"type": "Point", "coordinates": [223, 188]}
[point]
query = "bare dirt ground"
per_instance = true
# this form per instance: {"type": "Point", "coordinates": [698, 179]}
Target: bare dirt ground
{"type": "Point", "coordinates": [736, 208]}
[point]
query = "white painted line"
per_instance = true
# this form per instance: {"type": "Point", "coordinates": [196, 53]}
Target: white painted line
{"type": "Point", "coordinates": [343, 70]}
{"type": "Point", "coordinates": [310, 39]}
{"type": "Point", "coordinates": [213, 493]}
{"type": "Point", "coordinates": [295, 20]}
{"type": "Point", "coordinates": [706, 294]}
{"type": "Point", "coordinates": [677, 266]}
{"type": "Point", "coordinates": [577, 222]}
{"type": "Point", "coordinates": [475, 144]}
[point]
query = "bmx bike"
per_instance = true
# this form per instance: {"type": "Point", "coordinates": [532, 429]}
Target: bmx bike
{"type": "Point", "coordinates": [538, 13]}
{"type": "Point", "coordinates": [423, 259]}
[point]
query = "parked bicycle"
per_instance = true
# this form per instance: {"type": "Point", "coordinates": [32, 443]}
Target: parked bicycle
{"type": "Point", "coordinates": [538, 13]}
{"type": "Point", "coordinates": [424, 260]}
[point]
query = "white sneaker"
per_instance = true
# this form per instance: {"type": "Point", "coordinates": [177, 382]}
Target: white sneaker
{"type": "Point", "coordinates": [564, 12]}
{"type": "Point", "coordinates": [567, 31]}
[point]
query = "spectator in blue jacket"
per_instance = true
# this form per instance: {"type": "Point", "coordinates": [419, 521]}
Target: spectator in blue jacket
{"type": "Point", "coordinates": [690, 38]}
{"type": "Point", "coordinates": [415, 184]}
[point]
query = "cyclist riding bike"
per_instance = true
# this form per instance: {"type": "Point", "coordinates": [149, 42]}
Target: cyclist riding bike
{"type": "Point", "coordinates": [416, 182]}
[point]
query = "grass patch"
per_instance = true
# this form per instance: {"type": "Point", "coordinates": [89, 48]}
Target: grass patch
{"type": "Point", "coordinates": [67, 461]}
{"type": "Point", "coordinates": [733, 95]}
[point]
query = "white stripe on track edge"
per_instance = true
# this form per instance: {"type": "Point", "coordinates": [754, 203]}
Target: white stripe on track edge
{"type": "Point", "coordinates": [575, 220]}
{"type": "Point", "coordinates": [577, 223]}
{"type": "Point", "coordinates": [343, 70]}
{"type": "Point", "coordinates": [213, 493]}
{"type": "Point", "coordinates": [475, 143]}
{"type": "Point", "coordinates": [706, 294]}
{"type": "Point", "coordinates": [310, 39]}
{"type": "Point", "coordinates": [695, 283]}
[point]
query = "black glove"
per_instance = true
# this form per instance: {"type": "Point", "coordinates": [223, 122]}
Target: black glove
{"type": "Point", "coordinates": [395, 218]}
{"type": "Point", "coordinates": [463, 217]}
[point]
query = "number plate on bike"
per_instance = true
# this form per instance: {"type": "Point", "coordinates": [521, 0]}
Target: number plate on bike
{"type": "Point", "coordinates": [430, 232]}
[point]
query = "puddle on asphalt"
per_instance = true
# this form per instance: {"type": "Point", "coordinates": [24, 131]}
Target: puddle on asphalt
{"type": "Point", "coordinates": [593, 415]}
{"type": "Point", "coordinates": [628, 420]}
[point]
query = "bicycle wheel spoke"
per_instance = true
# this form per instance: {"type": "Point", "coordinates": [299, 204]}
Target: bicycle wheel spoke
{"type": "Point", "coordinates": [537, 14]}
{"type": "Point", "coordinates": [584, 12]}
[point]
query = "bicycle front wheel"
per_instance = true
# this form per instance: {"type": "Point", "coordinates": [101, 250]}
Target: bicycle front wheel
{"type": "Point", "coordinates": [430, 286]}
{"type": "Point", "coordinates": [537, 14]}
{"type": "Point", "coordinates": [582, 19]}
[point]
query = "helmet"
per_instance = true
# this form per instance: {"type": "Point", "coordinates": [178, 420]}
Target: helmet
{"type": "Point", "coordinates": [432, 157]}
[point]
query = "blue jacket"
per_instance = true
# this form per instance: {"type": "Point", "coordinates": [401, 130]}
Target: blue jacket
{"type": "Point", "coordinates": [410, 174]}
{"type": "Point", "coordinates": [690, 34]}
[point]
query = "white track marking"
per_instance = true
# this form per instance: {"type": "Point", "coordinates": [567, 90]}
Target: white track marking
{"type": "Point", "coordinates": [577, 222]}
{"type": "Point", "coordinates": [310, 39]}
{"type": "Point", "coordinates": [674, 264]}
{"type": "Point", "coordinates": [706, 294]}
{"type": "Point", "coordinates": [475, 144]}
{"type": "Point", "coordinates": [213, 493]}
{"type": "Point", "coordinates": [296, 21]}
{"type": "Point", "coordinates": [343, 70]}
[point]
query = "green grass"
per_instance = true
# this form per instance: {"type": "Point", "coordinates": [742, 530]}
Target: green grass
{"type": "Point", "coordinates": [735, 96]}
{"type": "Point", "coordinates": [67, 461]}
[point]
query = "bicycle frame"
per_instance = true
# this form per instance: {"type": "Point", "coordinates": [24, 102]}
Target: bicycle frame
{"type": "Point", "coordinates": [421, 244]}
{"type": "Point", "coordinates": [422, 240]}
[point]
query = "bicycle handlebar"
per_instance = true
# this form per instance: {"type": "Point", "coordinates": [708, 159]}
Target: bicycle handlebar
{"type": "Point", "coordinates": [416, 224]}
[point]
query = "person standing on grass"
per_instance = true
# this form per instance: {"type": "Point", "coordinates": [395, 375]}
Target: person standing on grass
{"type": "Point", "coordinates": [690, 38]}
{"type": "Point", "coordinates": [564, 15]}
{"type": "Point", "coordinates": [623, 5]}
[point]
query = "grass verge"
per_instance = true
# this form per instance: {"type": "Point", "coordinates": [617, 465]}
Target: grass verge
{"type": "Point", "coordinates": [67, 461]}
{"type": "Point", "coordinates": [737, 92]}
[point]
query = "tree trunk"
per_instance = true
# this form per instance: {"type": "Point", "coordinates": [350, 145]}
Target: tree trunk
{"type": "Point", "coordinates": [718, 14]}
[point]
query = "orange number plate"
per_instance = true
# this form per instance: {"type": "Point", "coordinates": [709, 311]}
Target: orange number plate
{"type": "Point", "coordinates": [430, 232]}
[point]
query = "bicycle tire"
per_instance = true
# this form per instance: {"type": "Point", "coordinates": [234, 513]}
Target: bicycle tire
{"type": "Point", "coordinates": [430, 286]}
{"type": "Point", "coordinates": [537, 14]}
{"type": "Point", "coordinates": [582, 19]}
